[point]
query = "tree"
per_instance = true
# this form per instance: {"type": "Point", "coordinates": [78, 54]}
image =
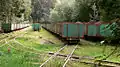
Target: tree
{"type": "Point", "coordinates": [82, 10]}
{"type": "Point", "coordinates": [28, 10]}
{"type": "Point", "coordinates": [62, 11]}
{"type": "Point", "coordinates": [10, 8]}
{"type": "Point", "coordinates": [40, 10]}
{"type": "Point", "coordinates": [76, 10]}
{"type": "Point", "coordinates": [110, 12]}
{"type": "Point", "coordinates": [109, 9]}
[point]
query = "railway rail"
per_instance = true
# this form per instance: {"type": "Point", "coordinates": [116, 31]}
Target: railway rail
{"type": "Point", "coordinates": [10, 36]}
{"type": "Point", "coordinates": [53, 56]}
{"type": "Point", "coordinates": [68, 58]}
{"type": "Point", "coordinates": [3, 36]}
{"type": "Point", "coordinates": [18, 44]}
{"type": "Point", "coordinates": [90, 60]}
{"type": "Point", "coordinates": [27, 48]}
{"type": "Point", "coordinates": [9, 39]}
{"type": "Point", "coordinates": [56, 53]}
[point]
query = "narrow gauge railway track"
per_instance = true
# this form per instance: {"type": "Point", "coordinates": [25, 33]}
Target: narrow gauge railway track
{"type": "Point", "coordinates": [108, 63]}
{"type": "Point", "coordinates": [5, 36]}
{"type": "Point", "coordinates": [30, 49]}
{"type": "Point", "coordinates": [69, 56]}
{"type": "Point", "coordinates": [7, 40]}
{"type": "Point", "coordinates": [17, 45]}
{"type": "Point", "coordinates": [103, 63]}
{"type": "Point", "coordinates": [10, 37]}
{"type": "Point", "coordinates": [91, 60]}
{"type": "Point", "coordinates": [55, 54]}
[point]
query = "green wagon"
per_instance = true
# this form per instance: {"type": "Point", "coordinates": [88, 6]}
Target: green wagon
{"type": "Point", "coordinates": [6, 27]}
{"type": "Point", "coordinates": [73, 31]}
{"type": "Point", "coordinates": [36, 26]}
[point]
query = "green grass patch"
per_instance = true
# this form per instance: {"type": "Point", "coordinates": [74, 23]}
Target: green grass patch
{"type": "Point", "coordinates": [98, 51]}
{"type": "Point", "coordinates": [36, 45]}
{"type": "Point", "coordinates": [55, 62]}
{"type": "Point", "coordinates": [15, 58]}
{"type": "Point", "coordinates": [24, 55]}
{"type": "Point", "coordinates": [45, 35]}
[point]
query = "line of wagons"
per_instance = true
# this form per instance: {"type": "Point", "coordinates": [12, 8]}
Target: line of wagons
{"type": "Point", "coordinates": [73, 32]}
{"type": "Point", "coordinates": [9, 27]}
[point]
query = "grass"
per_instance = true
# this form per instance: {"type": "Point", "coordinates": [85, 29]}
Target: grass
{"type": "Point", "coordinates": [20, 56]}
{"type": "Point", "coordinates": [67, 50]}
{"type": "Point", "coordinates": [15, 58]}
{"type": "Point", "coordinates": [33, 40]}
{"type": "Point", "coordinates": [30, 50]}
{"type": "Point", "coordinates": [35, 43]}
{"type": "Point", "coordinates": [59, 62]}
{"type": "Point", "coordinates": [45, 35]}
{"type": "Point", "coordinates": [97, 51]}
{"type": "Point", "coordinates": [55, 62]}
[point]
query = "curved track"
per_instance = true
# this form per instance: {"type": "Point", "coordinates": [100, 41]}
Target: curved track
{"type": "Point", "coordinates": [53, 56]}
{"type": "Point", "coordinates": [10, 37]}
{"type": "Point", "coordinates": [61, 49]}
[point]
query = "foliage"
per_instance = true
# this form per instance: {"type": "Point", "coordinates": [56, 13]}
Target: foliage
{"type": "Point", "coordinates": [109, 9]}
{"type": "Point", "coordinates": [110, 12]}
{"type": "Point", "coordinates": [78, 10]}
{"type": "Point", "coordinates": [62, 11]}
{"type": "Point", "coordinates": [10, 9]}
{"type": "Point", "coordinates": [68, 13]}
{"type": "Point", "coordinates": [54, 17]}
{"type": "Point", "coordinates": [82, 10]}
{"type": "Point", "coordinates": [40, 10]}
{"type": "Point", "coordinates": [115, 34]}
{"type": "Point", "coordinates": [27, 6]}
{"type": "Point", "coordinates": [16, 58]}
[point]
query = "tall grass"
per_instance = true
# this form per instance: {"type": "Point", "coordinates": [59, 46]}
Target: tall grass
{"type": "Point", "coordinates": [15, 58]}
{"type": "Point", "coordinates": [98, 51]}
